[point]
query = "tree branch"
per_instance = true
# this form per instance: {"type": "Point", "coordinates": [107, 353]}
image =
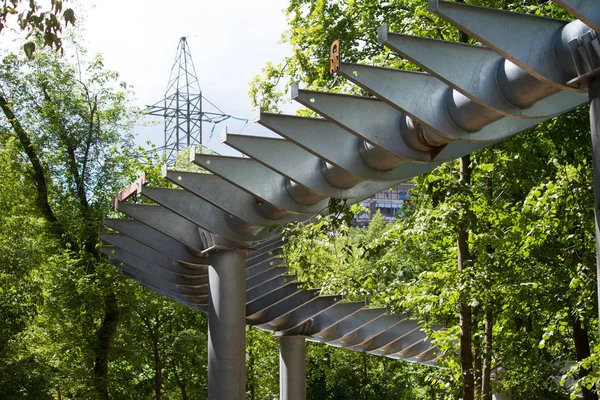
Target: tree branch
{"type": "Point", "coordinates": [41, 181]}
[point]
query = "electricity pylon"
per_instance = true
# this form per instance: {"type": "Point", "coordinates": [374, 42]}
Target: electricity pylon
{"type": "Point", "coordinates": [182, 106]}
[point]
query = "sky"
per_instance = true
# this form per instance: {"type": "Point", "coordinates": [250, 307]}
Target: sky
{"type": "Point", "coordinates": [230, 41]}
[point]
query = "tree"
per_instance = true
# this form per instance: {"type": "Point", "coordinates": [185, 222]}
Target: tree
{"type": "Point", "coordinates": [71, 123]}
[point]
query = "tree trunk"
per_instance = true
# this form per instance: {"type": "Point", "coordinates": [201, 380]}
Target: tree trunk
{"type": "Point", "coordinates": [179, 382]}
{"type": "Point", "coordinates": [157, 373]}
{"type": "Point", "coordinates": [477, 355]}
{"type": "Point", "coordinates": [582, 350]}
{"type": "Point", "coordinates": [158, 378]}
{"type": "Point", "coordinates": [41, 184]}
{"type": "Point", "coordinates": [365, 374]}
{"type": "Point", "coordinates": [486, 388]}
{"type": "Point", "coordinates": [466, 329]}
{"type": "Point", "coordinates": [105, 335]}
{"type": "Point", "coordinates": [250, 377]}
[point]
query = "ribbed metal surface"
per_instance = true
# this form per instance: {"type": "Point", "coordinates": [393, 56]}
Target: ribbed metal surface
{"type": "Point", "coordinates": [469, 97]}
{"type": "Point", "coordinates": [275, 301]}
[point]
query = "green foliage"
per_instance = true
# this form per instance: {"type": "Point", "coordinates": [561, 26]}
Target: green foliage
{"type": "Point", "coordinates": [45, 26]}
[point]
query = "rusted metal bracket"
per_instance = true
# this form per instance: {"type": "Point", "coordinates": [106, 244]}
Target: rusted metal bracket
{"type": "Point", "coordinates": [130, 190]}
{"type": "Point", "coordinates": [335, 55]}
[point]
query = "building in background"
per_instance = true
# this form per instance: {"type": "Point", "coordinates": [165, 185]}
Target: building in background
{"type": "Point", "coordinates": [388, 202]}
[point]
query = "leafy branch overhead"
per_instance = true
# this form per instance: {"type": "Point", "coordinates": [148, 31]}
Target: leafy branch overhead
{"type": "Point", "coordinates": [43, 27]}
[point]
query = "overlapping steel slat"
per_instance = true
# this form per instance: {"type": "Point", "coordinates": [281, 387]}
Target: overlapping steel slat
{"type": "Point", "coordinates": [149, 254]}
{"type": "Point", "coordinates": [200, 307]}
{"type": "Point", "coordinates": [325, 320]}
{"type": "Point", "coordinates": [263, 183]}
{"type": "Point", "coordinates": [472, 70]}
{"type": "Point", "coordinates": [281, 307]}
{"type": "Point", "coordinates": [262, 267]}
{"type": "Point", "coordinates": [198, 283]}
{"type": "Point", "coordinates": [423, 98]}
{"type": "Point", "coordinates": [302, 314]}
{"type": "Point", "coordinates": [165, 221]}
{"type": "Point", "coordinates": [264, 248]}
{"type": "Point", "coordinates": [156, 240]}
{"type": "Point", "coordinates": [205, 215]}
{"type": "Point", "coordinates": [296, 164]}
{"type": "Point", "coordinates": [530, 42]}
{"type": "Point", "coordinates": [368, 118]}
{"type": "Point", "coordinates": [139, 275]}
{"type": "Point", "coordinates": [269, 287]}
{"type": "Point", "coordinates": [229, 198]}
{"type": "Point", "coordinates": [338, 146]}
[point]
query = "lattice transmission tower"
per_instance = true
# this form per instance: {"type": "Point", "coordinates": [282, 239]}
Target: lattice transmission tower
{"type": "Point", "coordinates": [182, 106]}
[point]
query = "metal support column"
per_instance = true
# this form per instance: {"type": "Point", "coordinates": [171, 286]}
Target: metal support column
{"type": "Point", "coordinates": [594, 93]}
{"type": "Point", "coordinates": [292, 368]}
{"type": "Point", "coordinates": [226, 325]}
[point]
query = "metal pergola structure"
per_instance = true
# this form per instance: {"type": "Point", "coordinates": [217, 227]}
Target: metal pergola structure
{"type": "Point", "coordinates": [208, 245]}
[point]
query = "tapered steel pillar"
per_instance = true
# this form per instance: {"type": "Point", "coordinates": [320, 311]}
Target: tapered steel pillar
{"type": "Point", "coordinates": [292, 368]}
{"type": "Point", "coordinates": [226, 325]}
{"type": "Point", "coordinates": [594, 93]}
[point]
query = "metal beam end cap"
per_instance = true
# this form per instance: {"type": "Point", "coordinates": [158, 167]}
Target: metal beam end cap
{"type": "Point", "coordinates": [256, 114]}
{"type": "Point", "coordinates": [382, 34]}
{"type": "Point", "coordinates": [434, 5]}
{"type": "Point", "coordinates": [294, 89]}
{"type": "Point", "coordinates": [164, 170]}
{"type": "Point", "coordinates": [192, 153]}
{"type": "Point", "coordinates": [224, 135]}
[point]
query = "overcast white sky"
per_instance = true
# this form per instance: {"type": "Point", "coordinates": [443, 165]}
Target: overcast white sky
{"type": "Point", "coordinates": [230, 41]}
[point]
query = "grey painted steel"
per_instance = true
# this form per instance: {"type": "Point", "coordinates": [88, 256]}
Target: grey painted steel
{"type": "Point", "coordinates": [149, 254]}
{"type": "Point", "coordinates": [226, 326]}
{"type": "Point", "coordinates": [472, 71]}
{"type": "Point", "coordinates": [292, 368]}
{"type": "Point", "coordinates": [302, 314]}
{"type": "Point", "coordinates": [166, 221]}
{"type": "Point", "coordinates": [263, 249]}
{"type": "Point", "coordinates": [594, 89]}
{"type": "Point", "coordinates": [266, 276]}
{"type": "Point", "coordinates": [258, 305]}
{"type": "Point", "coordinates": [325, 319]}
{"type": "Point", "coordinates": [205, 214]}
{"type": "Point", "coordinates": [368, 331]}
{"type": "Point", "coordinates": [332, 143]}
{"type": "Point", "coordinates": [347, 326]}
{"type": "Point", "coordinates": [158, 274]}
{"type": "Point", "coordinates": [291, 161]}
{"type": "Point", "coordinates": [270, 287]}
{"type": "Point", "coordinates": [540, 55]}
{"type": "Point", "coordinates": [199, 307]}
{"type": "Point", "coordinates": [274, 300]}
{"type": "Point", "coordinates": [196, 296]}
{"type": "Point", "coordinates": [585, 10]}
{"type": "Point", "coordinates": [230, 198]}
{"type": "Point", "coordinates": [262, 267]}
{"type": "Point", "coordinates": [423, 97]}
{"type": "Point", "coordinates": [258, 180]}
{"type": "Point", "coordinates": [381, 129]}
{"type": "Point", "coordinates": [156, 240]}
